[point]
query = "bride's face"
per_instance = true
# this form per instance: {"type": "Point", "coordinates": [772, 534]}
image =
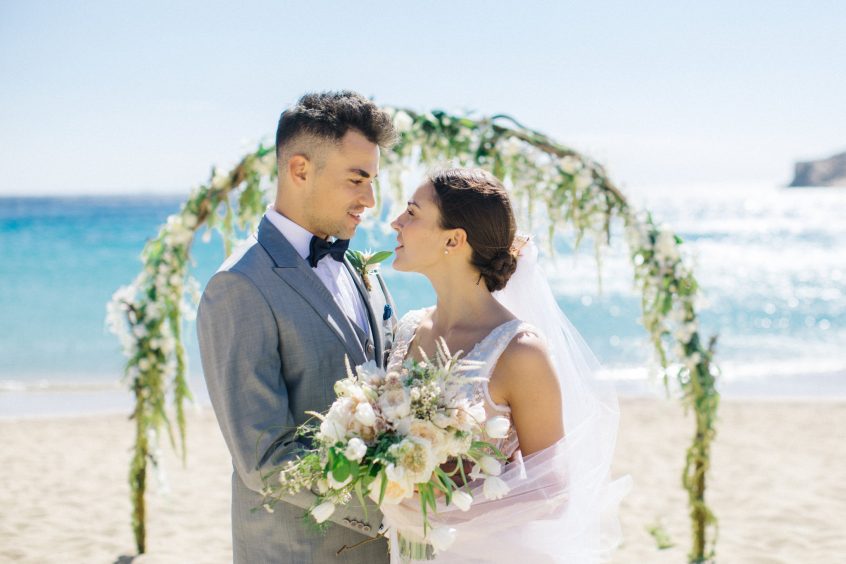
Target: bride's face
{"type": "Point", "coordinates": [420, 240]}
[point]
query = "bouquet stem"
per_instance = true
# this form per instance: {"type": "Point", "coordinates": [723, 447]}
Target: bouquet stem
{"type": "Point", "coordinates": [412, 547]}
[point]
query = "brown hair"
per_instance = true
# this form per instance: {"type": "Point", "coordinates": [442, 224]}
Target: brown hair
{"type": "Point", "coordinates": [476, 201]}
{"type": "Point", "coordinates": [326, 117]}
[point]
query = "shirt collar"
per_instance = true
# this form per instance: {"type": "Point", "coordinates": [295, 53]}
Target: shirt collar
{"type": "Point", "coordinates": [298, 236]}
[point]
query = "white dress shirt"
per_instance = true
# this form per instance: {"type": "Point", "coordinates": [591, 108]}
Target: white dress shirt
{"type": "Point", "coordinates": [332, 273]}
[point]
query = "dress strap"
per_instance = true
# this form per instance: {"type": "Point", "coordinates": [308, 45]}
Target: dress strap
{"type": "Point", "coordinates": [492, 347]}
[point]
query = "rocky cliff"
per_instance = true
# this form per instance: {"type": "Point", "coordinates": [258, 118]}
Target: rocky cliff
{"type": "Point", "coordinates": [825, 172]}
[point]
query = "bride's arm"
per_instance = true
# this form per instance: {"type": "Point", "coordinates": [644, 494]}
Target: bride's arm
{"type": "Point", "coordinates": [525, 379]}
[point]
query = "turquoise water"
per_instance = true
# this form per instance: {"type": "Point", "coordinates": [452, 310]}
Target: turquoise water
{"type": "Point", "coordinates": [772, 265]}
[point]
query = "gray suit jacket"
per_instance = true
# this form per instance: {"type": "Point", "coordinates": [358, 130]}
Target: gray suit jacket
{"type": "Point", "coordinates": [272, 341]}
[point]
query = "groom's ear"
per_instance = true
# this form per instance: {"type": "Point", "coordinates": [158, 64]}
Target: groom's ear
{"type": "Point", "coordinates": [299, 167]}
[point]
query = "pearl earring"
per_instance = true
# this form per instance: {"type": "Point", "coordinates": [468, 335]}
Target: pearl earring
{"type": "Point", "coordinates": [446, 251]}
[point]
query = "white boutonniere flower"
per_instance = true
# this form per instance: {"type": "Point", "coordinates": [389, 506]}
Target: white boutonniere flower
{"type": "Point", "coordinates": [365, 262]}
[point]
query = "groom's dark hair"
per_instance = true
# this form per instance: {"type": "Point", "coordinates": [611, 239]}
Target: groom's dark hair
{"type": "Point", "coordinates": [321, 118]}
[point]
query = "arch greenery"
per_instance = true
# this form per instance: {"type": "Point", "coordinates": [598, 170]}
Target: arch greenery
{"type": "Point", "coordinates": [545, 178]}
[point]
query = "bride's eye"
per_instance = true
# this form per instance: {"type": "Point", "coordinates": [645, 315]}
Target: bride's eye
{"type": "Point", "coordinates": [409, 212]}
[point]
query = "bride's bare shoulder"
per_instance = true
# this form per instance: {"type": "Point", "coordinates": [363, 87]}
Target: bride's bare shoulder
{"type": "Point", "coordinates": [524, 368]}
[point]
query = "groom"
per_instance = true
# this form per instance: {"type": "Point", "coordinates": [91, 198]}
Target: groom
{"type": "Point", "coordinates": [279, 316]}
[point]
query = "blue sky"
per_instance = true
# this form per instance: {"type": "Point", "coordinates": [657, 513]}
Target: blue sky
{"type": "Point", "coordinates": [127, 97]}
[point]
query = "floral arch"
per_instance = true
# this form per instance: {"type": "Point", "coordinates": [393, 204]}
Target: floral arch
{"type": "Point", "coordinates": [543, 176]}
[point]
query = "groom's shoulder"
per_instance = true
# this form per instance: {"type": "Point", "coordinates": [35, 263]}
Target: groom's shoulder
{"type": "Point", "coordinates": [247, 257]}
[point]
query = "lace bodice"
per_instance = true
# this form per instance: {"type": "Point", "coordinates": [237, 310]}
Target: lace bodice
{"type": "Point", "coordinates": [486, 352]}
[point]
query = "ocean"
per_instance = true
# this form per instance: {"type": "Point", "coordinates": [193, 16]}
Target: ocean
{"type": "Point", "coordinates": [771, 263]}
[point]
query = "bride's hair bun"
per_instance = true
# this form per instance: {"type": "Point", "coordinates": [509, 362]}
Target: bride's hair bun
{"type": "Point", "coordinates": [476, 201]}
{"type": "Point", "coordinates": [498, 271]}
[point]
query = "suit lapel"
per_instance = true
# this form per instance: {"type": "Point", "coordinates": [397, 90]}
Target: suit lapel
{"type": "Point", "coordinates": [375, 322]}
{"type": "Point", "coordinates": [295, 272]}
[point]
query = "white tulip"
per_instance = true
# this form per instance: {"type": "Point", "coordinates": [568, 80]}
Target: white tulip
{"type": "Point", "coordinates": [462, 500]}
{"type": "Point", "coordinates": [441, 538]}
{"type": "Point", "coordinates": [332, 430]}
{"type": "Point", "coordinates": [365, 415]}
{"type": "Point", "coordinates": [356, 449]}
{"type": "Point", "coordinates": [494, 488]}
{"type": "Point", "coordinates": [497, 427]}
{"type": "Point", "coordinates": [335, 484]}
{"type": "Point", "coordinates": [490, 465]}
{"type": "Point", "coordinates": [323, 511]}
{"type": "Point", "coordinates": [477, 412]}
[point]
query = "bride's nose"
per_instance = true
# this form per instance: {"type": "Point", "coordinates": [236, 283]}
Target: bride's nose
{"type": "Point", "coordinates": [395, 225]}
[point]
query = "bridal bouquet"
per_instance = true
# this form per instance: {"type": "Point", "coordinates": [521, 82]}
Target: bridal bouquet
{"type": "Point", "coordinates": [388, 436]}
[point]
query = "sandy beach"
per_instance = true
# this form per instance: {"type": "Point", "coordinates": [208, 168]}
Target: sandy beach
{"type": "Point", "coordinates": [777, 487]}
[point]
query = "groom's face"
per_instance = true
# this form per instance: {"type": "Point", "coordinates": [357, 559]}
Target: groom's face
{"type": "Point", "coordinates": [342, 187]}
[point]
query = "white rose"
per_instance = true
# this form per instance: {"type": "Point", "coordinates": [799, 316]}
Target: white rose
{"type": "Point", "coordinates": [511, 146]}
{"type": "Point", "coordinates": [395, 491]}
{"type": "Point", "coordinates": [395, 404]}
{"type": "Point", "coordinates": [490, 465]}
{"type": "Point", "coordinates": [365, 415]}
{"type": "Point", "coordinates": [584, 179]}
{"type": "Point", "coordinates": [220, 180]}
{"type": "Point", "coordinates": [370, 373]}
{"type": "Point", "coordinates": [264, 166]}
{"type": "Point", "coordinates": [497, 427]}
{"type": "Point", "coordinates": [322, 486]}
{"type": "Point", "coordinates": [685, 332]}
{"type": "Point", "coordinates": [395, 473]}
{"type": "Point", "coordinates": [665, 245]}
{"type": "Point", "coordinates": [494, 488]}
{"type": "Point", "coordinates": [693, 361]}
{"type": "Point", "coordinates": [323, 511]}
{"type": "Point", "coordinates": [402, 122]}
{"type": "Point", "coordinates": [569, 164]}
{"type": "Point", "coordinates": [462, 500]}
{"type": "Point", "coordinates": [356, 449]}
{"type": "Point", "coordinates": [441, 538]}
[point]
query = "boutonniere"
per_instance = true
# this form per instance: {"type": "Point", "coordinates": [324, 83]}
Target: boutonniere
{"type": "Point", "coordinates": [365, 262]}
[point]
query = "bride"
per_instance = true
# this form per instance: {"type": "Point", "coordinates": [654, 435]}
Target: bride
{"type": "Point", "coordinates": [493, 302]}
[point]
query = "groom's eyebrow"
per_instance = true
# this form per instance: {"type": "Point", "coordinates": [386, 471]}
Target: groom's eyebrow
{"type": "Point", "coordinates": [362, 173]}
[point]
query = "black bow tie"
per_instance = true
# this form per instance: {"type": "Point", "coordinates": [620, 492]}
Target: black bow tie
{"type": "Point", "coordinates": [319, 248]}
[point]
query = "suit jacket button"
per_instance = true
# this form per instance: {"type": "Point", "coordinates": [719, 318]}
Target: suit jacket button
{"type": "Point", "coordinates": [370, 349]}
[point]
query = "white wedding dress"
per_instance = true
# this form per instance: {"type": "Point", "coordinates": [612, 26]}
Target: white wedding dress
{"type": "Point", "coordinates": [561, 506]}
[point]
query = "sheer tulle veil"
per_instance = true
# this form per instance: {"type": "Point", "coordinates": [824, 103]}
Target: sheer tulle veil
{"type": "Point", "coordinates": [562, 505]}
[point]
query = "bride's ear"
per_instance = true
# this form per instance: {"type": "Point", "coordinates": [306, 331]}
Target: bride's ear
{"type": "Point", "coordinates": [457, 239]}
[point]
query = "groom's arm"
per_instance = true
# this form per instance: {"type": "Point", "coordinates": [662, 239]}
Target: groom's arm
{"type": "Point", "coordinates": [239, 346]}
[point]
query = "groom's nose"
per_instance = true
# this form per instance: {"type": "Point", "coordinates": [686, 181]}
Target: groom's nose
{"type": "Point", "coordinates": [367, 198]}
